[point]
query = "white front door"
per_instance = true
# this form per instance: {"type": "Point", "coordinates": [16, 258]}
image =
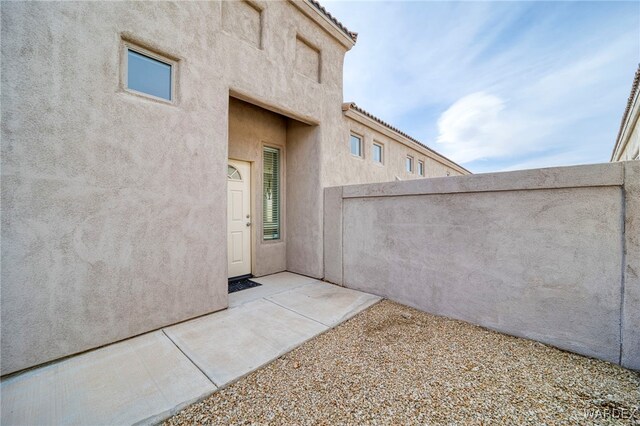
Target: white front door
{"type": "Point", "coordinates": [238, 218]}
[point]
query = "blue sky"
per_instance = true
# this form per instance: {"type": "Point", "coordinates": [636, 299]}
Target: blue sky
{"type": "Point", "coordinates": [496, 85]}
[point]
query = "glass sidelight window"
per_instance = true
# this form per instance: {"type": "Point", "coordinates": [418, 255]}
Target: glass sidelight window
{"type": "Point", "coordinates": [271, 194]}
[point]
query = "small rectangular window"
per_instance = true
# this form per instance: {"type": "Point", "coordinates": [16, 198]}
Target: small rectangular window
{"type": "Point", "coordinates": [409, 164]}
{"type": "Point", "coordinates": [377, 153]}
{"type": "Point", "coordinates": [421, 168]}
{"type": "Point", "coordinates": [271, 194]}
{"type": "Point", "coordinates": [149, 75]}
{"type": "Point", "coordinates": [356, 145]}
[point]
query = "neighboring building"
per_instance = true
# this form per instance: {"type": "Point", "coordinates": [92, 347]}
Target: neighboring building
{"type": "Point", "coordinates": [628, 141]}
{"type": "Point", "coordinates": [151, 150]}
{"type": "Point", "coordinates": [394, 154]}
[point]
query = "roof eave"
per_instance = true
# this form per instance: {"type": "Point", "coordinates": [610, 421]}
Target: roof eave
{"type": "Point", "coordinates": [629, 117]}
{"type": "Point", "coordinates": [627, 127]}
{"type": "Point", "coordinates": [312, 12]}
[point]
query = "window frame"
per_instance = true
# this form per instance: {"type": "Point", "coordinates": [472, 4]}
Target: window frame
{"type": "Point", "coordinates": [373, 157]}
{"type": "Point", "coordinates": [421, 168]}
{"type": "Point", "coordinates": [361, 149]}
{"type": "Point", "coordinates": [280, 151]}
{"type": "Point", "coordinates": [410, 164]}
{"type": "Point", "coordinates": [126, 46]}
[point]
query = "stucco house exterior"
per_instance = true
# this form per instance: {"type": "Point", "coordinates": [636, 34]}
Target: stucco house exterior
{"type": "Point", "coordinates": [627, 145]}
{"type": "Point", "coordinates": [150, 151]}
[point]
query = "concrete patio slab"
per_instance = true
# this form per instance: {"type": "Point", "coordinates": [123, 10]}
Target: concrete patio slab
{"type": "Point", "coordinates": [141, 380]}
{"type": "Point", "coordinates": [230, 344]}
{"type": "Point", "coordinates": [285, 279]}
{"type": "Point", "coordinates": [271, 284]}
{"type": "Point", "coordinates": [147, 378]}
{"type": "Point", "coordinates": [325, 303]}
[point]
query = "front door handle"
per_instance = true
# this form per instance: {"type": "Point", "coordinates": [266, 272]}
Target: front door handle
{"type": "Point", "coordinates": [248, 223]}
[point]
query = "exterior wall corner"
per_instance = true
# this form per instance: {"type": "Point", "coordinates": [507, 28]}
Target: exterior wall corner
{"type": "Point", "coordinates": [333, 235]}
{"type": "Point", "coordinates": [630, 323]}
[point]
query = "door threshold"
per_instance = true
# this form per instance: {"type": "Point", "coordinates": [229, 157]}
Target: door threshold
{"type": "Point", "coordinates": [240, 278]}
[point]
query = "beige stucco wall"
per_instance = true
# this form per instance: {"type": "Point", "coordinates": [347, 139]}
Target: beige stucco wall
{"type": "Point", "coordinates": [113, 205]}
{"type": "Point", "coordinates": [546, 254]}
{"type": "Point", "coordinates": [304, 199]}
{"type": "Point", "coordinates": [250, 129]}
{"type": "Point", "coordinates": [630, 146]}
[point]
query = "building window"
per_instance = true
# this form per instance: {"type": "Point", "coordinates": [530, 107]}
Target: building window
{"type": "Point", "coordinates": [148, 74]}
{"type": "Point", "coordinates": [271, 194]}
{"type": "Point", "coordinates": [233, 173]}
{"type": "Point", "coordinates": [409, 164]}
{"type": "Point", "coordinates": [356, 145]}
{"type": "Point", "coordinates": [378, 153]}
{"type": "Point", "coordinates": [421, 168]}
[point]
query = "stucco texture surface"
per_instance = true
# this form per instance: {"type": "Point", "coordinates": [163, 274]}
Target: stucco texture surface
{"type": "Point", "coordinates": [632, 145]}
{"type": "Point", "coordinates": [113, 219]}
{"type": "Point", "coordinates": [533, 264]}
{"type": "Point", "coordinates": [305, 198]}
{"type": "Point", "coordinates": [630, 356]}
{"type": "Point", "coordinates": [332, 237]}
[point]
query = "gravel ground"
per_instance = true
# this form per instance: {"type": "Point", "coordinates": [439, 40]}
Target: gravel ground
{"type": "Point", "coordinates": [394, 365]}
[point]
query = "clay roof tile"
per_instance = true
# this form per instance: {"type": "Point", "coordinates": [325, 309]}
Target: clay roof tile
{"type": "Point", "coordinates": [627, 110]}
{"type": "Point", "coordinates": [351, 34]}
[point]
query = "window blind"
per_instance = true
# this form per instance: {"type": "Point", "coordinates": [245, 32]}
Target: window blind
{"type": "Point", "coordinates": [271, 194]}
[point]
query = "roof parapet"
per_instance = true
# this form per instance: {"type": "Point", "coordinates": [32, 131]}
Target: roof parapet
{"type": "Point", "coordinates": [351, 34]}
{"type": "Point", "coordinates": [326, 20]}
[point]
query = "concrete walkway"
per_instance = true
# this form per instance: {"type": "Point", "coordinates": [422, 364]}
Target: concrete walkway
{"type": "Point", "coordinates": [150, 377]}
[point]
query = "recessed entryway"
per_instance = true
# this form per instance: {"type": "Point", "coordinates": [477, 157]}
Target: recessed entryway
{"type": "Point", "coordinates": [268, 141]}
{"type": "Point", "coordinates": [239, 218]}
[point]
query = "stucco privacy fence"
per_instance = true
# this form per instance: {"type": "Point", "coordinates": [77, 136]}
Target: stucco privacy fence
{"type": "Point", "coordinates": [551, 255]}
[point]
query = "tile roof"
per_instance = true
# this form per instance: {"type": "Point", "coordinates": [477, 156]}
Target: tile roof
{"type": "Point", "coordinates": [353, 36]}
{"type": "Point", "coordinates": [627, 110]}
{"type": "Point", "coordinates": [351, 105]}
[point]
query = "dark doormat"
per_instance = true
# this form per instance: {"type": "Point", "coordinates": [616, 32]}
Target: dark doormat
{"type": "Point", "coordinates": [241, 284]}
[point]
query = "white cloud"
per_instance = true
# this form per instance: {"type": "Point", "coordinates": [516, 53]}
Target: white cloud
{"type": "Point", "coordinates": [483, 126]}
{"type": "Point", "coordinates": [555, 111]}
{"type": "Point", "coordinates": [496, 83]}
{"type": "Point", "coordinates": [474, 128]}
